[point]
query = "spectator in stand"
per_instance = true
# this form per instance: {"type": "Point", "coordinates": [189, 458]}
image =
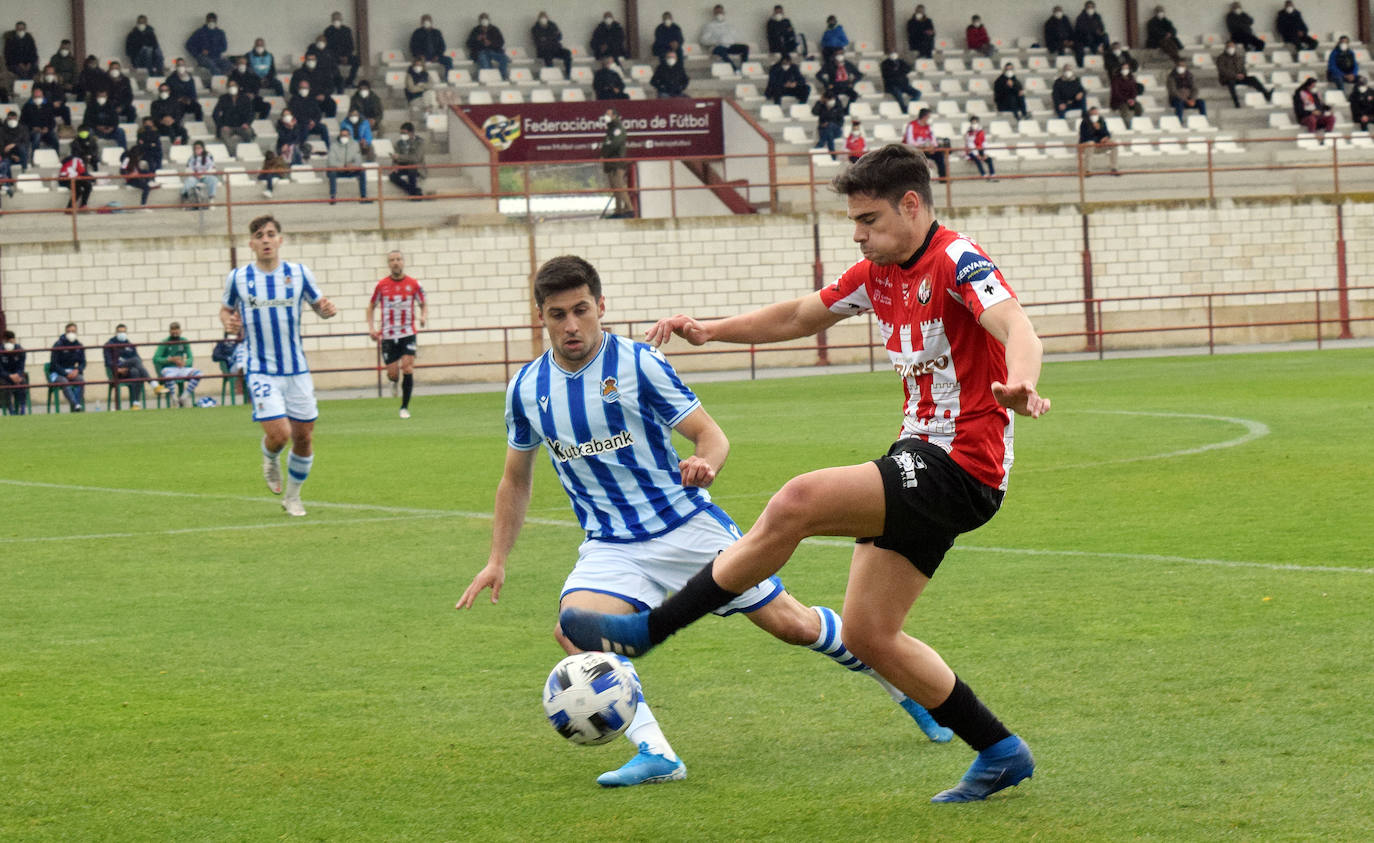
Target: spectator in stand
{"type": "Point", "coordinates": [141, 46]}
{"type": "Point", "coordinates": [198, 187]}
{"type": "Point", "coordinates": [167, 114]}
{"type": "Point", "coordinates": [1059, 36]}
{"type": "Point", "coordinates": [896, 80]}
{"type": "Point", "coordinates": [668, 38]}
{"type": "Point", "coordinates": [232, 355]}
{"type": "Point", "coordinates": [607, 83]}
{"type": "Point", "coordinates": [1008, 94]}
{"type": "Point", "coordinates": [838, 75]}
{"type": "Point", "coordinates": [920, 34]}
{"type": "Point", "coordinates": [833, 40]}
{"type": "Point", "coordinates": [248, 83]}
{"type": "Point", "coordinates": [408, 156]}
{"type": "Point", "coordinates": [614, 148]}
{"type": "Point", "coordinates": [102, 119]}
{"type": "Point", "coordinates": [1293, 29]}
{"type": "Point", "coordinates": [339, 42]}
{"type": "Point", "coordinates": [1089, 30]}
{"type": "Point", "coordinates": [326, 78]}
{"type": "Point", "coordinates": [1126, 92]}
{"type": "Point", "coordinates": [122, 94]}
{"type": "Point", "coordinates": [669, 79]}
{"type": "Point", "coordinates": [307, 111]}
{"type": "Point", "coordinates": [208, 45]}
{"type": "Point", "coordinates": [56, 94]}
{"type": "Point", "coordinates": [368, 106]}
{"type": "Point", "coordinates": [1161, 35]}
{"type": "Point", "coordinates": [346, 161]}
{"type": "Point", "coordinates": [1096, 139]}
{"type": "Point", "coordinates": [785, 80]}
{"type": "Point", "coordinates": [854, 143]}
{"type": "Point", "coordinates": [84, 146]}
{"type": "Point", "coordinates": [1183, 91]}
{"type": "Point", "coordinates": [14, 148]}
{"type": "Point", "coordinates": [427, 45]}
{"type": "Point", "coordinates": [487, 47]}
{"type": "Point", "coordinates": [40, 118]}
{"type": "Point", "coordinates": [608, 40]}
{"type": "Point", "coordinates": [1068, 94]}
{"type": "Point", "coordinates": [1341, 67]}
{"type": "Point", "coordinates": [1362, 105]}
{"type": "Point", "coordinates": [361, 131]}
{"type": "Point", "coordinates": [1311, 111]}
{"type": "Point", "coordinates": [1242, 28]}
{"type": "Point", "coordinates": [316, 83]}
{"type": "Point", "coordinates": [782, 38]}
{"type": "Point", "coordinates": [64, 64]}
{"type": "Point", "coordinates": [919, 134]}
{"type": "Point", "coordinates": [977, 39]}
{"type": "Point", "coordinates": [174, 361]}
{"type": "Point", "coordinates": [974, 140]}
{"type": "Point", "coordinates": [183, 87]}
{"type": "Point", "coordinates": [720, 37]}
{"type": "Point", "coordinates": [548, 44]}
{"type": "Point", "coordinates": [291, 143]}
{"type": "Point", "coordinates": [274, 167]}
{"type": "Point", "coordinates": [15, 400]}
{"type": "Point", "coordinates": [264, 66]}
{"type": "Point", "coordinates": [67, 366]}
{"type": "Point", "coordinates": [419, 93]}
{"type": "Point", "coordinates": [830, 114]}
{"type": "Point", "coordinates": [233, 117]}
{"type": "Point", "coordinates": [149, 144]}
{"type": "Point", "coordinates": [1116, 56]}
{"type": "Point", "coordinates": [93, 80]}
{"type": "Point", "coordinates": [121, 358]}
{"type": "Point", "coordinates": [137, 172]}
{"type": "Point", "coordinates": [1231, 72]}
{"type": "Point", "coordinates": [21, 53]}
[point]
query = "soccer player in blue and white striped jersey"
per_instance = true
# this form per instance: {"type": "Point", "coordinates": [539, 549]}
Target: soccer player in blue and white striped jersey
{"type": "Point", "coordinates": [604, 409]}
{"type": "Point", "coordinates": [264, 301]}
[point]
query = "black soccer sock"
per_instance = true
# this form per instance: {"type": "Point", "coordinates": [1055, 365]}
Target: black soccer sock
{"type": "Point", "coordinates": [963, 712]}
{"type": "Point", "coordinates": [407, 384]}
{"type": "Point", "coordinates": [698, 597]}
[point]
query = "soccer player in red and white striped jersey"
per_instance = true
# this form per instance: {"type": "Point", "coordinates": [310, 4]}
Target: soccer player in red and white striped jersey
{"type": "Point", "coordinates": [400, 298]}
{"type": "Point", "coordinates": [968, 359]}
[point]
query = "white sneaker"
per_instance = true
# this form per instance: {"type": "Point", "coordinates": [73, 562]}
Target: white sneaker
{"type": "Point", "coordinates": [271, 472]}
{"type": "Point", "coordinates": [292, 505]}
{"type": "Point", "coordinates": [266, 194]}
{"type": "Point", "coordinates": [405, 414]}
{"type": "Point", "coordinates": [184, 400]}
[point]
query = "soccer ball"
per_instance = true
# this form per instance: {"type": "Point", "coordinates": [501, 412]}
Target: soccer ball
{"type": "Point", "coordinates": [590, 698]}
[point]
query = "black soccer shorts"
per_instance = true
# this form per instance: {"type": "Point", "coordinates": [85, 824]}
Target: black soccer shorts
{"type": "Point", "coordinates": [930, 501]}
{"type": "Point", "coordinates": [393, 350]}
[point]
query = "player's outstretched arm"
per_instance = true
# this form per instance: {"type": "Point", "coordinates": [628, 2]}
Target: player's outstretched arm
{"type": "Point", "coordinates": [711, 447]}
{"type": "Point", "coordinates": [512, 502]}
{"type": "Point", "coordinates": [787, 320]}
{"type": "Point", "coordinates": [1009, 324]}
{"type": "Point", "coordinates": [229, 318]}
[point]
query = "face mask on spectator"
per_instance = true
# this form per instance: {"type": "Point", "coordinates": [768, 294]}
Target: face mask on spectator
{"type": "Point", "coordinates": [211, 25]}
{"type": "Point", "coordinates": [543, 21]}
{"type": "Point", "coordinates": [405, 137]}
{"type": "Point", "coordinates": [142, 26]}
{"type": "Point", "coordinates": [892, 56]}
{"type": "Point", "coordinates": [287, 120]}
{"type": "Point", "coordinates": [777, 16]}
{"type": "Point", "coordinates": [101, 100]}
{"type": "Point", "coordinates": [9, 346]}
{"type": "Point", "coordinates": [114, 73]}
{"type": "Point", "coordinates": [12, 123]}
{"type": "Point", "coordinates": [122, 337]}
{"type": "Point", "coordinates": [183, 72]}
{"type": "Point", "coordinates": [241, 68]}
{"type": "Point", "coordinates": [363, 92]}
{"type": "Point", "coordinates": [71, 337]}
{"type": "Point", "coordinates": [418, 68]}
{"type": "Point", "coordinates": [259, 50]}
{"type": "Point", "coordinates": [1059, 14]}
{"type": "Point", "coordinates": [839, 57]}
{"type": "Point", "coordinates": [319, 45]}
{"type": "Point", "coordinates": [233, 91]}
{"type": "Point", "coordinates": [1125, 71]}
{"type": "Point", "coordinates": [345, 138]}
{"type": "Point", "coordinates": [50, 78]}
{"type": "Point", "coordinates": [1180, 70]}
{"type": "Point", "coordinates": [310, 65]}
{"type": "Point", "coordinates": [336, 22]}
{"type": "Point", "coordinates": [1230, 51]}
{"type": "Point", "coordinates": [426, 24]}
{"type": "Point", "coordinates": [720, 17]}
{"type": "Point", "coordinates": [671, 62]}
{"type": "Point", "coordinates": [305, 92]}
{"type": "Point", "coordinates": [37, 100]}
{"type": "Point", "coordinates": [162, 95]}
{"type": "Point", "coordinates": [484, 21]}
{"type": "Point", "coordinates": [1344, 45]}
{"type": "Point", "coordinates": [1009, 73]}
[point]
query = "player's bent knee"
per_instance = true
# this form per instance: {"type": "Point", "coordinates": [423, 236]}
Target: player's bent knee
{"type": "Point", "coordinates": [793, 509]}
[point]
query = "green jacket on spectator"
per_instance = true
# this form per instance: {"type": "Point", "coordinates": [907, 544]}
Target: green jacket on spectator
{"type": "Point", "coordinates": [172, 347]}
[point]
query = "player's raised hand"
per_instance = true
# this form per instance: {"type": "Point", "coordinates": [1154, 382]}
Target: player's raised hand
{"type": "Point", "coordinates": [492, 576]}
{"type": "Point", "coordinates": [684, 326]}
{"type": "Point", "coordinates": [696, 472]}
{"type": "Point", "coordinates": [1021, 398]}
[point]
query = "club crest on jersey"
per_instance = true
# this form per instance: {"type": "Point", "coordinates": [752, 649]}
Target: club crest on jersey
{"type": "Point", "coordinates": [923, 291]}
{"type": "Point", "coordinates": [609, 393]}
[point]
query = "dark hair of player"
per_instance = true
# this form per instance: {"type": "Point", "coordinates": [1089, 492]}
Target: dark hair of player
{"type": "Point", "coordinates": [565, 272]}
{"type": "Point", "coordinates": [257, 224]}
{"type": "Point", "coordinates": [887, 173]}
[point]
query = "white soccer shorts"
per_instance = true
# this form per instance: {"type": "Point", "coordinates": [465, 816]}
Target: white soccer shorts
{"type": "Point", "coordinates": [644, 573]}
{"type": "Point", "coordinates": [275, 396]}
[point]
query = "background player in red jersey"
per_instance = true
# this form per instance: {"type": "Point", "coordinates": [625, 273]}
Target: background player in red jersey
{"type": "Point", "coordinates": [968, 358]}
{"type": "Point", "coordinates": [399, 295]}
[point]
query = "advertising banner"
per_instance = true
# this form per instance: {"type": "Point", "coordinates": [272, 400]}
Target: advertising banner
{"type": "Point", "coordinates": [677, 127]}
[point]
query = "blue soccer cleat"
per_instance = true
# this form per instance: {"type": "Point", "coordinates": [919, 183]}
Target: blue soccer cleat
{"type": "Point", "coordinates": [627, 635]}
{"type": "Point", "coordinates": [933, 730]}
{"type": "Point", "coordinates": [645, 768]}
{"type": "Point", "coordinates": [1004, 764]}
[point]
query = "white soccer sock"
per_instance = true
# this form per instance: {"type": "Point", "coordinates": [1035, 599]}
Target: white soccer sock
{"type": "Point", "coordinates": [644, 728]}
{"type": "Point", "coordinates": [271, 455]}
{"type": "Point", "coordinates": [831, 644]}
{"type": "Point", "coordinates": [297, 469]}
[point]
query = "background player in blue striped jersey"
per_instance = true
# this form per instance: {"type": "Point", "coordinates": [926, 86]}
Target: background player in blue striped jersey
{"type": "Point", "coordinates": [604, 409]}
{"type": "Point", "coordinates": [265, 300]}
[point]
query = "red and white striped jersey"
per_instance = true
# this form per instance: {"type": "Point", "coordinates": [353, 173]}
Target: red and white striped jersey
{"type": "Point", "coordinates": [928, 313]}
{"type": "Point", "coordinates": [399, 301]}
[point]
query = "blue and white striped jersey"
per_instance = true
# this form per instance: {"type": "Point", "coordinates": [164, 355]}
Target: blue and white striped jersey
{"type": "Point", "coordinates": [270, 305]}
{"type": "Point", "coordinates": [607, 428]}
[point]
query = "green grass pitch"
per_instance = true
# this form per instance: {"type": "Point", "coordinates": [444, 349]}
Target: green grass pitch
{"type": "Point", "coordinates": [1175, 608]}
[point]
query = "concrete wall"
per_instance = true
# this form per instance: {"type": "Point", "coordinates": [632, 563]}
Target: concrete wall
{"type": "Point", "coordinates": [477, 278]}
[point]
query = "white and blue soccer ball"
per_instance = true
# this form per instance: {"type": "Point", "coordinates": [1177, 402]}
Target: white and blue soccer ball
{"type": "Point", "coordinates": [590, 698]}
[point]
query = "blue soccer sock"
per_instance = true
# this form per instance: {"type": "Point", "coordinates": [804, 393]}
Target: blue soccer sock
{"type": "Point", "coordinates": [297, 469]}
{"type": "Point", "coordinates": [831, 643]}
